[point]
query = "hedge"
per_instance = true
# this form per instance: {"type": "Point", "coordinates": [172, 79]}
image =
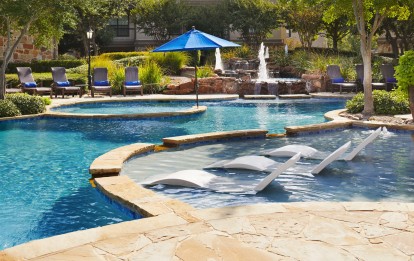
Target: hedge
{"type": "Point", "coordinates": [121, 55]}
{"type": "Point", "coordinates": [44, 66]}
{"type": "Point", "coordinates": [45, 79]}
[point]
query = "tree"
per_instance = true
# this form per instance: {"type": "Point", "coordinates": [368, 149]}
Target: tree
{"type": "Point", "coordinates": [400, 34]}
{"type": "Point", "coordinates": [42, 19]}
{"type": "Point", "coordinates": [160, 19]}
{"type": "Point", "coordinates": [95, 15]}
{"type": "Point", "coordinates": [368, 15]}
{"type": "Point", "coordinates": [254, 19]}
{"type": "Point", "coordinates": [337, 30]}
{"type": "Point", "coordinates": [304, 17]}
{"type": "Point", "coordinates": [209, 19]}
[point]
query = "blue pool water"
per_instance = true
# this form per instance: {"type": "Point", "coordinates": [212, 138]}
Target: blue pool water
{"type": "Point", "coordinates": [123, 107]}
{"type": "Point", "coordinates": [272, 115]}
{"type": "Point", "coordinates": [44, 188]}
{"type": "Point", "coordinates": [383, 171]}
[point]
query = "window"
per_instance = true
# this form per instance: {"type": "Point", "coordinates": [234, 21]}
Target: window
{"type": "Point", "coordinates": [120, 26]}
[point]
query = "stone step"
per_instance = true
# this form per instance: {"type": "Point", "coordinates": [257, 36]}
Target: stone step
{"type": "Point", "coordinates": [259, 97]}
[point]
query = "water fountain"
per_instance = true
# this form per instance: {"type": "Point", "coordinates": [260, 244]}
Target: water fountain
{"type": "Point", "coordinates": [219, 63]}
{"type": "Point", "coordinates": [267, 53]}
{"type": "Point", "coordinates": [262, 74]}
{"type": "Point", "coordinates": [264, 79]}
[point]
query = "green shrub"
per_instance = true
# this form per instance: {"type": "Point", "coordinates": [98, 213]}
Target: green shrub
{"type": "Point", "coordinates": [300, 60]}
{"type": "Point", "coordinates": [121, 55]}
{"type": "Point", "coordinates": [204, 71]}
{"type": "Point", "coordinates": [117, 77]}
{"type": "Point", "coordinates": [47, 100]}
{"type": "Point", "coordinates": [45, 79]}
{"type": "Point", "coordinates": [385, 103]}
{"type": "Point", "coordinates": [150, 73]}
{"type": "Point", "coordinates": [280, 58]}
{"type": "Point", "coordinates": [27, 104]}
{"type": "Point", "coordinates": [45, 65]}
{"type": "Point", "coordinates": [239, 52]}
{"type": "Point", "coordinates": [132, 61]}
{"type": "Point", "coordinates": [404, 71]}
{"type": "Point", "coordinates": [8, 109]}
{"type": "Point", "coordinates": [171, 62]}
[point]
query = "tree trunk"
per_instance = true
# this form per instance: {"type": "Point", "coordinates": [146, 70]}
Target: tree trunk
{"type": "Point", "coordinates": [335, 42]}
{"type": "Point", "coordinates": [411, 99]}
{"type": "Point", "coordinates": [368, 98]}
{"type": "Point", "coordinates": [393, 42]}
{"type": "Point", "coordinates": [8, 54]}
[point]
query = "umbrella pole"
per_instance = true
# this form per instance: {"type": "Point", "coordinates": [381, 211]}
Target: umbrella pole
{"type": "Point", "coordinates": [196, 85]}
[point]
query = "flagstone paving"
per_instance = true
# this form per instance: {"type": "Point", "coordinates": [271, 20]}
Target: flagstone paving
{"type": "Point", "coordinates": [279, 231]}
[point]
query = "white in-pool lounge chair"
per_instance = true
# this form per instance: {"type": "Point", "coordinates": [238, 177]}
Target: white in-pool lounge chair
{"type": "Point", "coordinates": [261, 163]}
{"type": "Point", "coordinates": [309, 152]}
{"type": "Point", "coordinates": [207, 180]}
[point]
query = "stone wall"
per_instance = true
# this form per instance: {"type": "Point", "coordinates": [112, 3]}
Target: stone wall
{"type": "Point", "coordinates": [26, 51]}
{"type": "Point", "coordinates": [317, 82]}
{"type": "Point", "coordinates": [230, 85]}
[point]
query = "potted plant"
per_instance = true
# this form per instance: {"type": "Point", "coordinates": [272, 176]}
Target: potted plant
{"type": "Point", "coordinates": [404, 73]}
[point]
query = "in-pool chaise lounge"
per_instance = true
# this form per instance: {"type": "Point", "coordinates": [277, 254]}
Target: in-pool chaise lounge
{"type": "Point", "coordinates": [207, 180]}
{"type": "Point", "coordinates": [312, 153]}
{"type": "Point", "coordinates": [262, 163]}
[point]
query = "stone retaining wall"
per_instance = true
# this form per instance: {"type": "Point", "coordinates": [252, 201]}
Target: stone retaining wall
{"type": "Point", "coordinates": [231, 85]}
{"type": "Point", "coordinates": [26, 50]}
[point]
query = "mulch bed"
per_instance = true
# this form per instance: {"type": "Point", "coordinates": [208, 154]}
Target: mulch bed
{"type": "Point", "coordinates": [381, 118]}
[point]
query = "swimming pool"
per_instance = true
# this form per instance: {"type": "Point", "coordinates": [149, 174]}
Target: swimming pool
{"type": "Point", "coordinates": [125, 107]}
{"type": "Point", "coordinates": [44, 186]}
{"type": "Point", "coordinates": [272, 115]}
{"type": "Point", "coordinates": [383, 171]}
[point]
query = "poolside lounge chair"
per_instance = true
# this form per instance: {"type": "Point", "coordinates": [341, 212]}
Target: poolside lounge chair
{"type": "Point", "coordinates": [62, 85]}
{"type": "Point", "coordinates": [131, 82]}
{"type": "Point", "coordinates": [309, 152]}
{"type": "Point", "coordinates": [360, 79]}
{"type": "Point", "coordinates": [10, 89]}
{"type": "Point", "coordinates": [388, 72]}
{"type": "Point", "coordinates": [100, 83]}
{"type": "Point", "coordinates": [207, 180]}
{"type": "Point", "coordinates": [28, 84]}
{"type": "Point", "coordinates": [336, 80]}
{"type": "Point", "coordinates": [257, 163]}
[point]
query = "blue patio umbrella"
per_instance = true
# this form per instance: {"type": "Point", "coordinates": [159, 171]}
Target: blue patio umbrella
{"type": "Point", "coordinates": [194, 40]}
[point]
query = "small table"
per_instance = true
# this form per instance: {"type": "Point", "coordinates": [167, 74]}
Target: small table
{"type": "Point", "coordinates": [83, 87]}
{"type": "Point", "coordinates": [379, 86]}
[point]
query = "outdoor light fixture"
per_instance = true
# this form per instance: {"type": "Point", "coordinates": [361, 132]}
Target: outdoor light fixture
{"type": "Point", "coordinates": [89, 35]}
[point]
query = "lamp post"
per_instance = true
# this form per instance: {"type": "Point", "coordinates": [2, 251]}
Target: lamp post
{"type": "Point", "coordinates": [89, 35]}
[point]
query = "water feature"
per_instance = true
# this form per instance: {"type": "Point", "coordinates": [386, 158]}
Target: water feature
{"type": "Point", "coordinates": [267, 53]}
{"type": "Point", "coordinates": [219, 62]}
{"type": "Point", "coordinates": [263, 74]}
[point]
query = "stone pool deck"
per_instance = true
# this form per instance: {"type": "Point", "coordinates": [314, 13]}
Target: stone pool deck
{"type": "Point", "coordinates": [293, 231]}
